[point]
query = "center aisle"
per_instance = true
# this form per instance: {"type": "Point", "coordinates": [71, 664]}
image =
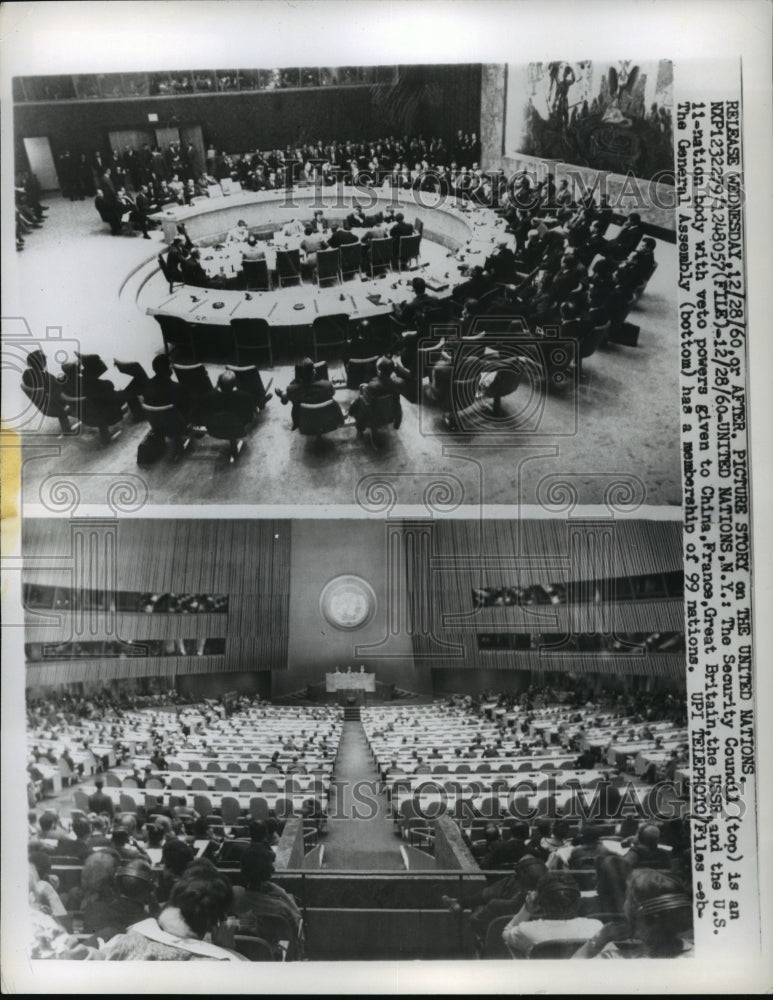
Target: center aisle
{"type": "Point", "coordinates": [368, 842]}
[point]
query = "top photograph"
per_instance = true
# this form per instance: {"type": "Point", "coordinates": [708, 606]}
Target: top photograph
{"type": "Point", "coordinates": [446, 285]}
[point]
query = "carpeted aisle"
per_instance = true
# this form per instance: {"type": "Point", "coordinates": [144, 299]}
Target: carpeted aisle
{"type": "Point", "coordinates": [367, 842]}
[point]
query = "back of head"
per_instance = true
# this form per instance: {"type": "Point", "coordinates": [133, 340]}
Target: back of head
{"type": "Point", "coordinates": [47, 821]}
{"type": "Point", "coordinates": [305, 370]}
{"type": "Point", "coordinates": [258, 831]}
{"type": "Point", "coordinates": [400, 217]}
{"type": "Point", "coordinates": [658, 909]}
{"type": "Point", "coordinates": [226, 381]}
{"type": "Point", "coordinates": [162, 367]}
{"type": "Point", "coordinates": [385, 367]}
{"type": "Point", "coordinates": [203, 898]}
{"type": "Point", "coordinates": [37, 360]}
{"type": "Point", "coordinates": [648, 836]}
{"type": "Point", "coordinates": [257, 864]}
{"type": "Point", "coordinates": [134, 879]}
{"type": "Point", "coordinates": [419, 286]}
{"type": "Point", "coordinates": [81, 827]}
{"type": "Point", "coordinates": [529, 871]}
{"type": "Point", "coordinates": [558, 896]}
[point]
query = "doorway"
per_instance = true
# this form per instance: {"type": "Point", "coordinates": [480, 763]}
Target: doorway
{"type": "Point", "coordinates": [41, 161]}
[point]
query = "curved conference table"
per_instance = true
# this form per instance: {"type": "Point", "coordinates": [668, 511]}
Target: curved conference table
{"type": "Point", "coordinates": [460, 235]}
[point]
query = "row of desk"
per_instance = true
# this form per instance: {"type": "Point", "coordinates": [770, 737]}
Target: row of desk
{"type": "Point", "coordinates": [468, 235]}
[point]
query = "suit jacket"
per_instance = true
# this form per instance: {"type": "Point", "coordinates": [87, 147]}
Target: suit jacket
{"type": "Point", "coordinates": [339, 237]}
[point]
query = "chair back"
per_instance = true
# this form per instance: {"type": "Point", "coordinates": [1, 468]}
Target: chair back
{"type": "Point", "coordinates": [222, 784]}
{"type": "Point", "coordinates": [381, 253]}
{"type": "Point", "coordinates": [596, 337]}
{"type": "Point", "coordinates": [329, 331]}
{"type": "Point", "coordinates": [288, 266]}
{"type": "Point", "coordinates": [112, 780]}
{"type": "Point", "coordinates": [409, 248]}
{"type": "Point", "coordinates": [418, 225]}
{"type": "Point", "coordinates": [256, 275]}
{"type": "Point", "coordinates": [558, 948]}
{"type": "Point", "coordinates": [224, 426]}
{"type": "Point", "coordinates": [359, 370]}
{"type": "Point", "coordinates": [164, 419]}
{"type": "Point", "coordinates": [320, 371]}
{"type": "Point", "coordinates": [47, 403]}
{"type": "Point", "coordinates": [247, 785]}
{"type": "Point", "coordinates": [328, 263]}
{"type": "Point", "coordinates": [258, 807]}
{"type": "Point", "coordinates": [315, 419]}
{"type": "Point", "coordinates": [381, 411]}
{"type": "Point", "coordinates": [252, 341]}
{"type": "Point", "coordinates": [494, 946]}
{"type": "Point", "coordinates": [230, 810]}
{"type": "Point", "coordinates": [193, 378]}
{"type": "Point", "coordinates": [350, 259]}
{"type": "Point", "coordinates": [248, 380]}
{"type": "Point", "coordinates": [84, 410]}
{"type": "Point", "coordinates": [254, 948]}
{"type": "Point", "coordinates": [202, 804]}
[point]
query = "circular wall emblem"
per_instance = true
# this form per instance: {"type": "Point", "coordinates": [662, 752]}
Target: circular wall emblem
{"type": "Point", "coordinates": [348, 602]}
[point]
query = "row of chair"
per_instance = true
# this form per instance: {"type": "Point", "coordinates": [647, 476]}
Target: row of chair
{"type": "Point", "coordinates": [332, 266]}
{"type": "Point", "coordinates": [220, 784]}
{"type": "Point", "coordinates": [251, 340]}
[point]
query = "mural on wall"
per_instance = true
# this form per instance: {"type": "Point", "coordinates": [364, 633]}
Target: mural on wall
{"type": "Point", "coordinates": [615, 117]}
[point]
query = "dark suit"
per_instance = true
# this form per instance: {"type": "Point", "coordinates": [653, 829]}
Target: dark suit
{"type": "Point", "coordinates": [318, 391]}
{"type": "Point", "coordinates": [398, 230]}
{"type": "Point", "coordinates": [100, 803]}
{"type": "Point", "coordinates": [377, 388]}
{"type": "Point", "coordinates": [340, 237]}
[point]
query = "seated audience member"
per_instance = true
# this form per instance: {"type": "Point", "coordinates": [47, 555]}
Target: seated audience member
{"type": "Point", "coordinates": [645, 851]}
{"type": "Point", "coordinates": [658, 921]}
{"type": "Point", "coordinates": [229, 409]}
{"type": "Point", "coordinates": [102, 394]}
{"type": "Point", "coordinates": [477, 285]}
{"type": "Point", "coordinates": [198, 905]}
{"type": "Point", "coordinates": [99, 802]}
{"type": "Point", "coordinates": [410, 313]}
{"type": "Point", "coordinates": [379, 387]}
{"type": "Point", "coordinates": [504, 897]}
{"type": "Point", "coordinates": [177, 251]}
{"type": "Point", "coordinates": [399, 229]}
{"type": "Point", "coordinates": [501, 263]}
{"type": "Point", "coordinates": [261, 901]}
{"type": "Point", "coordinates": [339, 236]}
{"type": "Point", "coordinates": [305, 388]}
{"type": "Point", "coordinates": [362, 343]}
{"type": "Point", "coordinates": [42, 895]}
{"type": "Point", "coordinates": [163, 389]}
{"type": "Point", "coordinates": [192, 272]}
{"type": "Point", "coordinates": [50, 834]}
{"type": "Point", "coordinates": [46, 391]}
{"type": "Point", "coordinates": [310, 244]}
{"type": "Point", "coordinates": [176, 856]}
{"type": "Point", "coordinates": [509, 848]}
{"type": "Point", "coordinates": [131, 898]}
{"type": "Point", "coordinates": [239, 233]}
{"type": "Point", "coordinates": [628, 238]}
{"type": "Point", "coordinates": [549, 913]}
{"type": "Point", "coordinates": [252, 250]}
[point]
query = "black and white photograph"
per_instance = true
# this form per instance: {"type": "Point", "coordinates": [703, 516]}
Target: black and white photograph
{"type": "Point", "coordinates": [264, 295]}
{"type": "Point", "coordinates": [383, 541]}
{"type": "Point", "coordinates": [475, 746]}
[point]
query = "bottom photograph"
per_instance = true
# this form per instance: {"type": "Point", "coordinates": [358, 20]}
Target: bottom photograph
{"type": "Point", "coordinates": [320, 740]}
